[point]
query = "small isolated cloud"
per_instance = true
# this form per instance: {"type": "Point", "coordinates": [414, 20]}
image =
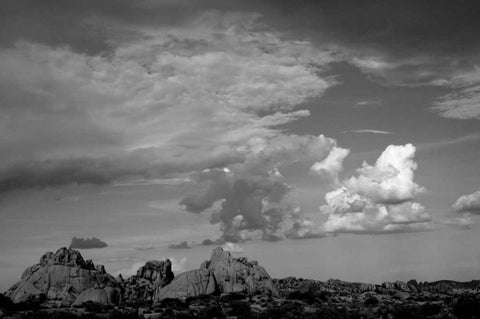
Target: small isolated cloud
{"type": "Point", "coordinates": [233, 247]}
{"type": "Point", "coordinates": [468, 203]}
{"type": "Point", "coordinates": [368, 131]}
{"type": "Point", "coordinates": [380, 199]}
{"type": "Point", "coordinates": [370, 102]}
{"type": "Point", "coordinates": [182, 245]}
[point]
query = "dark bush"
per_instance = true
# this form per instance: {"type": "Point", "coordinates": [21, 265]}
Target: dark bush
{"type": "Point", "coordinates": [371, 301]}
{"type": "Point", "coordinates": [241, 309]}
{"type": "Point", "coordinates": [467, 307]}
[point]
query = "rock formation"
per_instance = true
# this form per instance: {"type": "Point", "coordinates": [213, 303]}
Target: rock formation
{"type": "Point", "coordinates": [149, 278]}
{"type": "Point", "coordinates": [100, 294]}
{"type": "Point", "coordinates": [221, 274]}
{"type": "Point", "coordinates": [59, 278]}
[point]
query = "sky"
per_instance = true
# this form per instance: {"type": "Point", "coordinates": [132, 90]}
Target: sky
{"type": "Point", "coordinates": [326, 139]}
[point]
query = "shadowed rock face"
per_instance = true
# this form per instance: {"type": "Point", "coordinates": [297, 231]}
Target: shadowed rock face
{"type": "Point", "coordinates": [103, 295]}
{"type": "Point", "coordinates": [150, 278]}
{"type": "Point", "coordinates": [221, 274]}
{"type": "Point", "coordinates": [59, 277]}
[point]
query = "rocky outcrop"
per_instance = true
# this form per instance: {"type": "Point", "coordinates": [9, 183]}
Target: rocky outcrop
{"type": "Point", "coordinates": [221, 274]}
{"type": "Point", "coordinates": [190, 284]}
{"type": "Point", "coordinates": [100, 294]}
{"type": "Point", "coordinates": [59, 278]}
{"type": "Point", "coordinates": [149, 279]}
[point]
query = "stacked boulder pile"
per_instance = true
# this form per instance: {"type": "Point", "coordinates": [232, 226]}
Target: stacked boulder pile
{"type": "Point", "coordinates": [150, 278]}
{"type": "Point", "coordinates": [221, 274]}
{"type": "Point", "coordinates": [64, 278]}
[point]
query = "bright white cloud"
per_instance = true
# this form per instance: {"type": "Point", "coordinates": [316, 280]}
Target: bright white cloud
{"type": "Point", "coordinates": [332, 164]}
{"type": "Point", "coordinates": [468, 203]}
{"type": "Point", "coordinates": [379, 200]}
{"type": "Point", "coordinates": [390, 180]}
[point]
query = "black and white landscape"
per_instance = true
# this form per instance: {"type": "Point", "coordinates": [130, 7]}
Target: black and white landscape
{"type": "Point", "coordinates": [334, 141]}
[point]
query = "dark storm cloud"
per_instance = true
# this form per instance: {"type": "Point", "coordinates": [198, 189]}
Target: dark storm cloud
{"type": "Point", "coordinates": [247, 203]}
{"type": "Point", "coordinates": [399, 27]}
{"type": "Point", "coordinates": [139, 164]}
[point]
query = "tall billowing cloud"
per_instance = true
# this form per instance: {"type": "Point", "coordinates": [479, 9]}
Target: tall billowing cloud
{"type": "Point", "coordinates": [390, 180]}
{"type": "Point", "coordinates": [332, 164]}
{"type": "Point", "coordinates": [164, 100]}
{"type": "Point", "coordinates": [252, 195]}
{"type": "Point", "coordinates": [380, 198]}
{"type": "Point", "coordinates": [468, 203]}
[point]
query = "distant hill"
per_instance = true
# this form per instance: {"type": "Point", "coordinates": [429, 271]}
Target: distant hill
{"type": "Point", "coordinates": [87, 243]}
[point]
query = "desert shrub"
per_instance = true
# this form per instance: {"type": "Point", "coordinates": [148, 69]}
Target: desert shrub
{"type": "Point", "coordinates": [308, 294]}
{"type": "Point", "coordinates": [172, 303]}
{"type": "Point", "coordinates": [430, 309]}
{"type": "Point", "coordinates": [6, 303]}
{"type": "Point", "coordinates": [371, 301]}
{"type": "Point", "coordinates": [240, 309]}
{"type": "Point", "coordinates": [407, 312]}
{"type": "Point", "coordinates": [211, 312]}
{"type": "Point", "coordinates": [95, 307]}
{"type": "Point", "coordinates": [467, 307]}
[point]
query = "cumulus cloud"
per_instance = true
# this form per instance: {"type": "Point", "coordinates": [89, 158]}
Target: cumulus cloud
{"type": "Point", "coordinates": [390, 180]}
{"type": "Point", "coordinates": [332, 164]}
{"type": "Point", "coordinates": [380, 199]}
{"type": "Point", "coordinates": [252, 195]}
{"type": "Point", "coordinates": [468, 203]}
{"type": "Point", "coordinates": [193, 96]}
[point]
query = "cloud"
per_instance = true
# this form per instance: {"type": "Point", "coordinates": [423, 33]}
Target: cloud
{"type": "Point", "coordinates": [464, 221]}
{"type": "Point", "coordinates": [251, 196]}
{"type": "Point", "coordinates": [233, 247]}
{"type": "Point", "coordinates": [370, 102]}
{"type": "Point", "coordinates": [390, 180]}
{"type": "Point", "coordinates": [468, 203]}
{"type": "Point", "coordinates": [182, 245]}
{"type": "Point", "coordinates": [302, 227]}
{"type": "Point", "coordinates": [368, 131]}
{"type": "Point", "coordinates": [380, 199]}
{"type": "Point", "coordinates": [464, 102]}
{"type": "Point", "coordinates": [194, 95]}
{"type": "Point", "coordinates": [332, 164]}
